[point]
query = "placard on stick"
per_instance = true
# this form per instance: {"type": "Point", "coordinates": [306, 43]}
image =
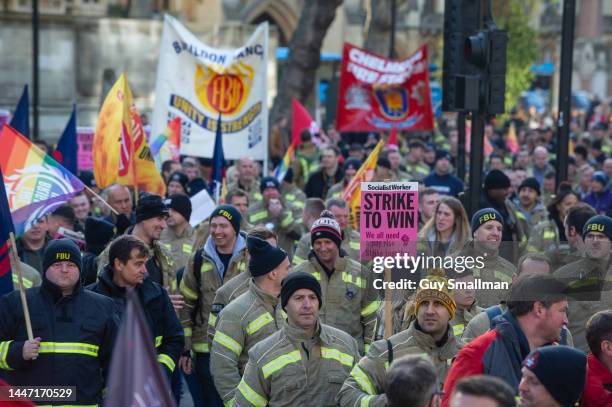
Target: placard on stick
{"type": "Point", "coordinates": [388, 218]}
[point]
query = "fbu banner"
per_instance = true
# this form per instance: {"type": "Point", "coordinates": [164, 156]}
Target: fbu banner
{"type": "Point", "coordinates": [197, 82]}
{"type": "Point", "coordinates": [377, 93]}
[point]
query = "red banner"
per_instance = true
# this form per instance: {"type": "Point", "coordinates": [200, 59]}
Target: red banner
{"type": "Point", "coordinates": [378, 94]}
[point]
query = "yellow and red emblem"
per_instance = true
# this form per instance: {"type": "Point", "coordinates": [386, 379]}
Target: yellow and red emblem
{"type": "Point", "coordinates": [225, 91]}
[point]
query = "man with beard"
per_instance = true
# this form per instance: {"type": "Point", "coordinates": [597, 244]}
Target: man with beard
{"type": "Point", "coordinates": [428, 334]}
{"type": "Point", "coordinates": [537, 310]}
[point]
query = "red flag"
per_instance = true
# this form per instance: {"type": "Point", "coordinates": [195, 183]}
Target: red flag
{"type": "Point", "coordinates": [300, 120]}
{"type": "Point", "coordinates": [393, 137]}
{"type": "Point", "coordinates": [377, 93]}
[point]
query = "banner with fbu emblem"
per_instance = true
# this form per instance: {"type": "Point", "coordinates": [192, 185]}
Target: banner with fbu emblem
{"type": "Point", "coordinates": [197, 82]}
{"type": "Point", "coordinates": [378, 93]}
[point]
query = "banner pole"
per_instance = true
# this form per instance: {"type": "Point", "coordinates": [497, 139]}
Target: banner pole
{"type": "Point", "coordinates": [24, 302]}
{"type": "Point", "coordinates": [102, 200]}
{"type": "Point", "coordinates": [388, 311]}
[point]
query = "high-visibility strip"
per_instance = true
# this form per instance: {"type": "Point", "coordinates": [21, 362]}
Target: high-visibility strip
{"type": "Point", "coordinates": [503, 277]}
{"type": "Point", "coordinates": [354, 245]}
{"type": "Point", "coordinates": [212, 319]}
{"type": "Point", "coordinates": [229, 343]}
{"type": "Point", "coordinates": [187, 331]}
{"type": "Point", "coordinates": [200, 347]}
{"type": "Point", "coordinates": [370, 309]}
{"type": "Point", "coordinates": [257, 216]}
{"type": "Point", "coordinates": [259, 322]}
{"type": "Point", "coordinates": [298, 260]}
{"type": "Point", "coordinates": [365, 401]}
{"type": "Point", "coordinates": [366, 347]}
{"type": "Point", "coordinates": [188, 292]}
{"type": "Point", "coordinates": [317, 275]}
{"type": "Point", "coordinates": [258, 196]}
{"type": "Point", "coordinates": [298, 204]}
{"type": "Point", "coordinates": [26, 283]}
{"type": "Point", "coordinates": [335, 354]}
{"type": "Point", "coordinates": [348, 278]}
{"type": "Point", "coordinates": [4, 347]}
{"type": "Point", "coordinates": [549, 234]}
{"type": "Point", "coordinates": [458, 329]}
{"type": "Point", "coordinates": [251, 395]}
{"type": "Point", "coordinates": [206, 267]}
{"type": "Point", "coordinates": [363, 380]}
{"type": "Point", "coordinates": [287, 221]}
{"type": "Point", "coordinates": [187, 248]}
{"type": "Point", "coordinates": [229, 403]}
{"type": "Point", "coordinates": [280, 362]}
{"type": "Point", "coordinates": [290, 197]}
{"type": "Point", "coordinates": [158, 341]}
{"type": "Point", "coordinates": [69, 347]}
{"type": "Point", "coordinates": [167, 246]}
{"type": "Point", "coordinates": [166, 360]}
{"type": "Point", "coordinates": [520, 215]}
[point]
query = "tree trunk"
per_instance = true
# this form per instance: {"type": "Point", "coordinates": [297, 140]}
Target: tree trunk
{"type": "Point", "coordinates": [378, 27]}
{"type": "Point", "coordinates": [304, 56]}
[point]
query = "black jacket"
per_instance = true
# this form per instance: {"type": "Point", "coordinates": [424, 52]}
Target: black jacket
{"type": "Point", "coordinates": [77, 333]}
{"type": "Point", "coordinates": [319, 183]}
{"type": "Point", "coordinates": [164, 325]}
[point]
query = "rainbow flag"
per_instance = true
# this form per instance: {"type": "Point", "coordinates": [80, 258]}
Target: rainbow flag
{"type": "Point", "coordinates": [167, 145]}
{"type": "Point", "coordinates": [512, 141]}
{"type": "Point", "coordinates": [35, 183]}
{"type": "Point", "coordinates": [352, 192]}
{"type": "Point", "coordinates": [281, 169]}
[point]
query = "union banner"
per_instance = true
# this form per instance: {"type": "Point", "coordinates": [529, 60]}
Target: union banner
{"type": "Point", "coordinates": [379, 94]}
{"type": "Point", "coordinates": [197, 83]}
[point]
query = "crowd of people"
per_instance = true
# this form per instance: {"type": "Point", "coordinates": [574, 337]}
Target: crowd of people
{"type": "Point", "coordinates": [266, 302]}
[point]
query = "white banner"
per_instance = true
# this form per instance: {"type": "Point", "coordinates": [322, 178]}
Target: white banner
{"type": "Point", "coordinates": [197, 82]}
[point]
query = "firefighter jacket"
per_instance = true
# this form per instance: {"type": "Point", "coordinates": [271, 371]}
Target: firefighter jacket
{"type": "Point", "coordinates": [545, 239]}
{"type": "Point", "coordinates": [462, 317]}
{"type": "Point", "coordinates": [159, 313]}
{"type": "Point", "coordinates": [366, 384]}
{"type": "Point", "coordinates": [203, 277]}
{"type": "Point", "coordinates": [161, 267]}
{"type": "Point", "coordinates": [293, 195]}
{"type": "Point", "coordinates": [77, 332]}
{"type": "Point", "coordinates": [227, 293]}
{"type": "Point", "coordinates": [30, 276]}
{"type": "Point", "coordinates": [590, 290]}
{"type": "Point", "coordinates": [350, 243]}
{"type": "Point", "coordinates": [254, 195]}
{"type": "Point", "coordinates": [202, 231]}
{"type": "Point", "coordinates": [287, 226]}
{"type": "Point", "coordinates": [289, 368]}
{"type": "Point", "coordinates": [417, 171]}
{"type": "Point", "coordinates": [252, 317]}
{"type": "Point", "coordinates": [350, 302]}
{"type": "Point", "coordinates": [181, 246]}
{"type": "Point", "coordinates": [496, 269]}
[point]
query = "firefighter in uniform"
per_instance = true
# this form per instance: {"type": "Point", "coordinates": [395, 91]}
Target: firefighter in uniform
{"type": "Point", "coordinates": [589, 279]}
{"type": "Point", "coordinates": [350, 300]}
{"type": "Point", "coordinates": [126, 269]}
{"type": "Point", "coordinates": [151, 216]}
{"type": "Point", "coordinates": [222, 257]}
{"type": "Point", "coordinates": [31, 277]}
{"type": "Point", "coordinates": [429, 335]}
{"type": "Point", "coordinates": [277, 215]}
{"type": "Point", "coordinates": [238, 285]}
{"type": "Point", "coordinates": [465, 300]}
{"type": "Point", "coordinates": [305, 362]}
{"type": "Point", "coordinates": [250, 318]}
{"type": "Point", "coordinates": [487, 226]}
{"type": "Point", "coordinates": [179, 236]}
{"type": "Point", "coordinates": [74, 330]}
{"type": "Point", "coordinates": [350, 237]}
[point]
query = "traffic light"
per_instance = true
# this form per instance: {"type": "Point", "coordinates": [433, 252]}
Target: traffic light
{"type": "Point", "coordinates": [474, 77]}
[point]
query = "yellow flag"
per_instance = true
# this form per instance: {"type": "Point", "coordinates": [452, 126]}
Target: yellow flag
{"type": "Point", "coordinates": [120, 149]}
{"type": "Point", "coordinates": [352, 192]}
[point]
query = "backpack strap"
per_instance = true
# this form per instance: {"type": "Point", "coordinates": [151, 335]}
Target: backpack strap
{"type": "Point", "coordinates": [492, 312]}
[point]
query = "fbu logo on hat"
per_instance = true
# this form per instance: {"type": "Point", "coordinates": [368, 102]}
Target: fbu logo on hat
{"type": "Point", "coordinates": [225, 214]}
{"type": "Point", "coordinates": [487, 217]}
{"type": "Point", "coordinates": [62, 256]}
{"type": "Point", "coordinates": [532, 361]}
{"type": "Point", "coordinates": [596, 227]}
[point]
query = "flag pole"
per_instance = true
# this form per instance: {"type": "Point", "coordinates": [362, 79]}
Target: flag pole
{"type": "Point", "coordinates": [113, 210]}
{"type": "Point", "coordinates": [24, 302]}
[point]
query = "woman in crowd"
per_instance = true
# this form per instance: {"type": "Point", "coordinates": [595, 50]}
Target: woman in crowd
{"type": "Point", "coordinates": [447, 231]}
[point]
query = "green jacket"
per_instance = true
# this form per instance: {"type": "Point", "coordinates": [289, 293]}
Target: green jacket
{"type": "Point", "coordinates": [350, 302]}
{"type": "Point", "coordinates": [290, 369]}
{"type": "Point", "coordinates": [199, 291]}
{"type": "Point", "coordinates": [367, 382]}
{"type": "Point", "coordinates": [249, 319]}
